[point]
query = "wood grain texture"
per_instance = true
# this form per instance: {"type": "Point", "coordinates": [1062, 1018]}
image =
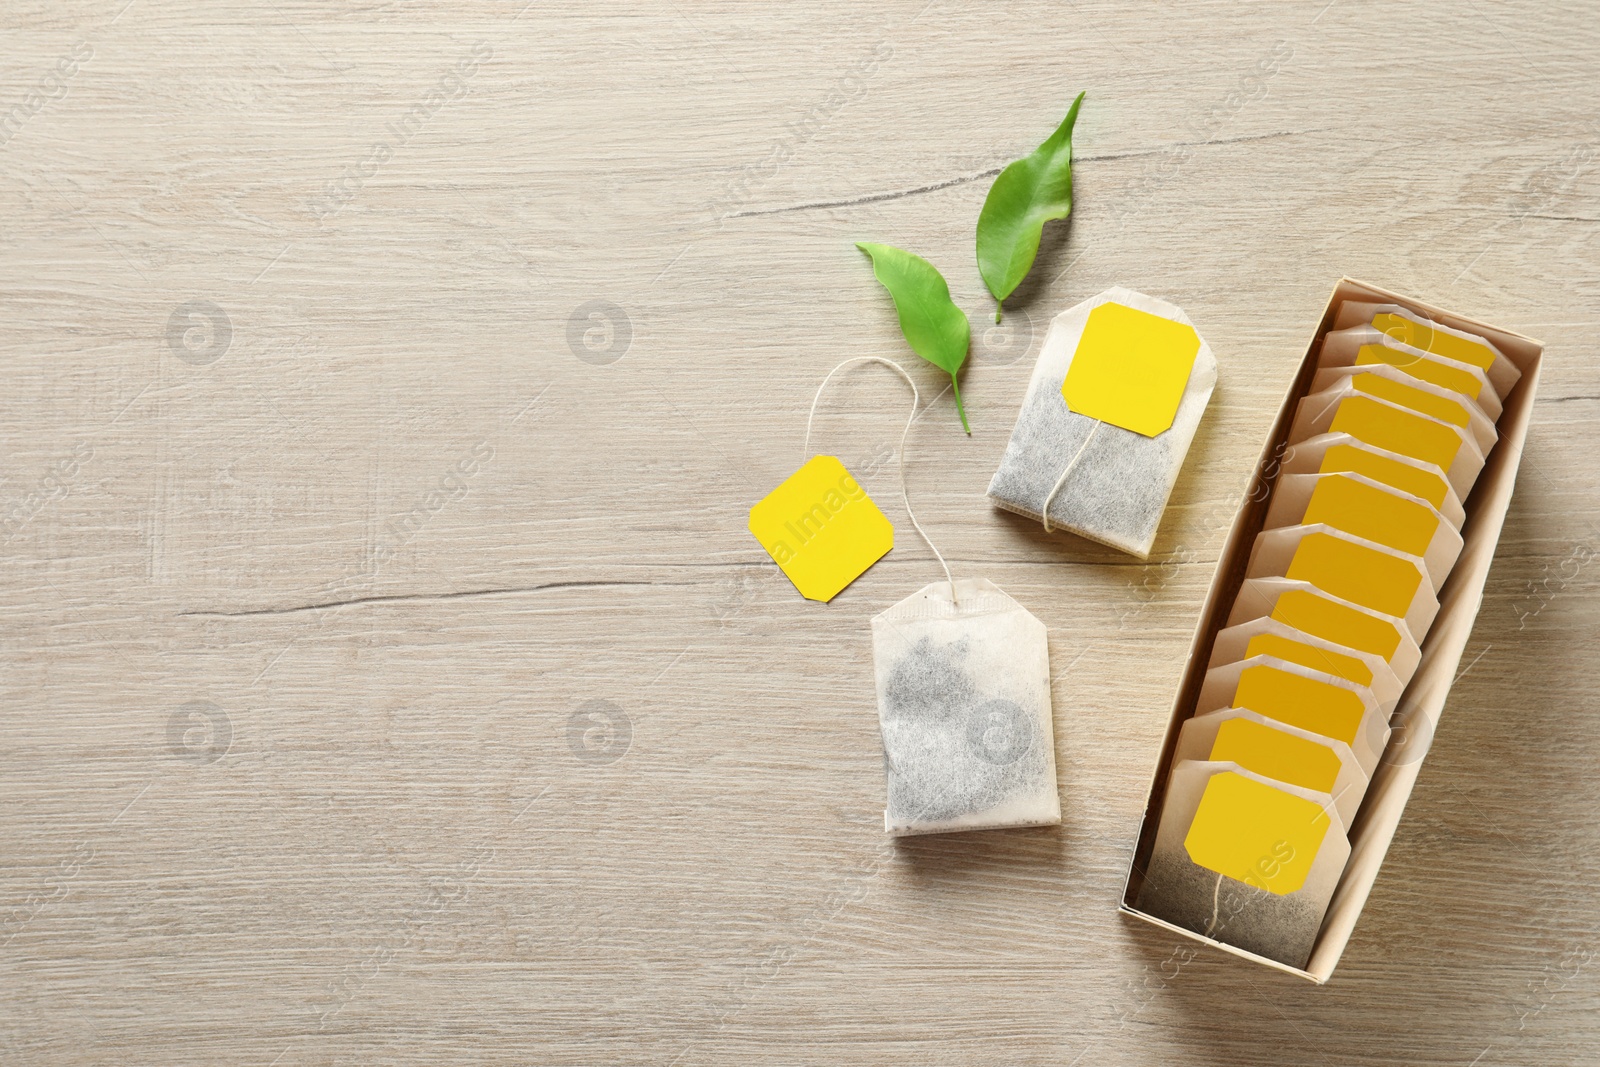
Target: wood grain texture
{"type": "Point", "coordinates": [305, 618]}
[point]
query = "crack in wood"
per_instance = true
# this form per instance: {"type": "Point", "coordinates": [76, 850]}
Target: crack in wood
{"type": "Point", "coordinates": [392, 597]}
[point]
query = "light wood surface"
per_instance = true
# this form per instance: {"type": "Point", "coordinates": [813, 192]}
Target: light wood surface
{"type": "Point", "coordinates": [305, 618]}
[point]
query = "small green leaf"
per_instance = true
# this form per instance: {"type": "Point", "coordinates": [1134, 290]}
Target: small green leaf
{"type": "Point", "coordinates": [936, 329]}
{"type": "Point", "coordinates": [1027, 194]}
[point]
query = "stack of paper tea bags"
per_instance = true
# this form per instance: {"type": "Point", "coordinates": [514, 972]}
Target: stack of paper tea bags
{"type": "Point", "coordinates": [1362, 529]}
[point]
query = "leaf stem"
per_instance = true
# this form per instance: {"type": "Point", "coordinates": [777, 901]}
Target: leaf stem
{"type": "Point", "coordinates": [998, 305]}
{"type": "Point", "coordinates": [959, 407]}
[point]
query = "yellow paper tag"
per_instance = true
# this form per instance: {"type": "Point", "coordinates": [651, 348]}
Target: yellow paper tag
{"type": "Point", "coordinates": [1397, 430]}
{"type": "Point", "coordinates": [1309, 703]}
{"type": "Point", "coordinates": [1276, 754]}
{"type": "Point", "coordinates": [1402, 476]}
{"type": "Point", "coordinates": [1409, 396]}
{"type": "Point", "coordinates": [1419, 335]}
{"type": "Point", "coordinates": [821, 528]}
{"type": "Point", "coordinates": [1307, 655]}
{"type": "Point", "coordinates": [1251, 832]}
{"type": "Point", "coordinates": [1130, 368]}
{"type": "Point", "coordinates": [1422, 368]}
{"type": "Point", "coordinates": [1339, 623]}
{"type": "Point", "coordinates": [1373, 513]}
{"type": "Point", "coordinates": [1356, 573]}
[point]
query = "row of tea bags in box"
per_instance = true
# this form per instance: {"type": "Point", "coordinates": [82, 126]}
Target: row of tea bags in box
{"type": "Point", "coordinates": [1362, 528]}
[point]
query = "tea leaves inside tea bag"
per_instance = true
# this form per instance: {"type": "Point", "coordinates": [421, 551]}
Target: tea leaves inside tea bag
{"type": "Point", "coordinates": [963, 678]}
{"type": "Point", "coordinates": [1245, 859]}
{"type": "Point", "coordinates": [1094, 475]}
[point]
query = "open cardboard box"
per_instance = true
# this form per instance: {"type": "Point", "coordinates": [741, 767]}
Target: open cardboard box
{"type": "Point", "coordinates": [1418, 711]}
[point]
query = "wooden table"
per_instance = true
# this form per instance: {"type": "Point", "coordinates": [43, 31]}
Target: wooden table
{"type": "Point", "coordinates": [389, 675]}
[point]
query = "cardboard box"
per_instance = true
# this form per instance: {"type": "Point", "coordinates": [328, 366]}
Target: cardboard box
{"type": "Point", "coordinates": [1418, 711]}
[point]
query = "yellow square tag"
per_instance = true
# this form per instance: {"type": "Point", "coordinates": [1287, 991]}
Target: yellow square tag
{"type": "Point", "coordinates": [1130, 368]}
{"type": "Point", "coordinates": [821, 528]}
{"type": "Point", "coordinates": [1248, 830]}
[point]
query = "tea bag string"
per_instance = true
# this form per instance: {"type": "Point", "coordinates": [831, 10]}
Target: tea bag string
{"type": "Point", "coordinates": [1216, 901]}
{"type": "Point", "coordinates": [1044, 513]}
{"type": "Point", "coordinates": [905, 497]}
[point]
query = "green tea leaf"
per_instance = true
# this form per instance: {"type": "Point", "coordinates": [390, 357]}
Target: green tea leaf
{"type": "Point", "coordinates": [936, 329]}
{"type": "Point", "coordinates": [1026, 195]}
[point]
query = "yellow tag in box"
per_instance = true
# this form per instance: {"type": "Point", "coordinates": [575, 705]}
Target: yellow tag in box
{"type": "Point", "coordinates": [1277, 751]}
{"type": "Point", "coordinates": [1421, 335]}
{"type": "Point", "coordinates": [1327, 617]}
{"type": "Point", "coordinates": [1302, 606]}
{"type": "Point", "coordinates": [1318, 659]}
{"type": "Point", "coordinates": [1397, 387]}
{"type": "Point", "coordinates": [1405, 326]}
{"type": "Point", "coordinates": [1424, 369]}
{"type": "Point", "coordinates": [1369, 510]}
{"type": "Point", "coordinates": [1365, 346]}
{"type": "Point", "coordinates": [1276, 754]}
{"type": "Point", "coordinates": [1360, 572]}
{"type": "Point", "coordinates": [1393, 427]}
{"type": "Point", "coordinates": [1303, 698]}
{"type": "Point", "coordinates": [1266, 636]}
{"type": "Point", "coordinates": [1357, 573]}
{"type": "Point", "coordinates": [1256, 834]}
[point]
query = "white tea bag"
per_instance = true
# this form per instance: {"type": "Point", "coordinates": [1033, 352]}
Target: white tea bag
{"type": "Point", "coordinates": [1278, 751]}
{"type": "Point", "coordinates": [1423, 397]}
{"type": "Point", "coordinates": [1351, 569]}
{"type": "Point", "coordinates": [962, 670]}
{"type": "Point", "coordinates": [1368, 509]}
{"type": "Point", "coordinates": [1286, 692]}
{"type": "Point", "coordinates": [964, 706]}
{"type": "Point", "coordinates": [1346, 409]}
{"type": "Point", "coordinates": [1423, 334]}
{"type": "Point", "coordinates": [1267, 636]}
{"type": "Point", "coordinates": [1245, 860]}
{"type": "Point", "coordinates": [1330, 453]}
{"type": "Point", "coordinates": [1107, 421]}
{"type": "Point", "coordinates": [1305, 607]}
{"type": "Point", "coordinates": [1364, 346]}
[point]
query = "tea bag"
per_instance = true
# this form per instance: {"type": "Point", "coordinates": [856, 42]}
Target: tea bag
{"type": "Point", "coordinates": [1351, 569]}
{"type": "Point", "coordinates": [1409, 328]}
{"type": "Point", "coordinates": [1331, 453]}
{"type": "Point", "coordinates": [1278, 751]}
{"type": "Point", "coordinates": [1119, 388]}
{"type": "Point", "coordinates": [963, 675]}
{"type": "Point", "coordinates": [962, 670]}
{"type": "Point", "coordinates": [1365, 346]}
{"type": "Point", "coordinates": [1245, 860]}
{"type": "Point", "coordinates": [1266, 636]}
{"type": "Point", "coordinates": [1391, 426]}
{"type": "Point", "coordinates": [1311, 700]}
{"type": "Point", "coordinates": [1370, 510]}
{"type": "Point", "coordinates": [963, 686]}
{"type": "Point", "coordinates": [1398, 387]}
{"type": "Point", "coordinates": [1305, 607]}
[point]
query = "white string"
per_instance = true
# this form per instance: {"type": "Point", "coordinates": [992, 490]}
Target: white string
{"type": "Point", "coordinates": [905, 497]}
{"type": "Point", "coordinates": [1215, 900]}
{"type": "Point", "coordinates": [1073, 462]}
